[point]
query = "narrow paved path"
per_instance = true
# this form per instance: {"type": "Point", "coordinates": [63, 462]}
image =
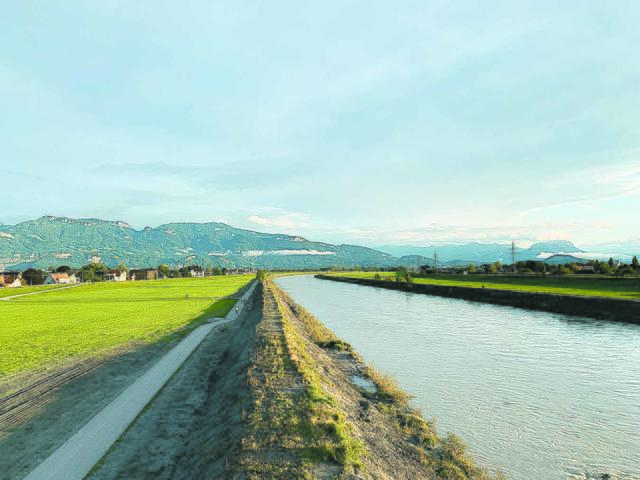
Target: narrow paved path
{"type": "Point", "coordinates": [6, 299]}
{"type": "Point", "coordinates": [77, 456]}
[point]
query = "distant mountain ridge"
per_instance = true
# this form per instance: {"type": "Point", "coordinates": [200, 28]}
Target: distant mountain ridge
{"type": "Point", "coordinates": [555, 251]}
{"type": "Point", "coordinates": [53, 241]}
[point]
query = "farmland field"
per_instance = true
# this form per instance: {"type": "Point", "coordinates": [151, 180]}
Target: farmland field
{"type": "Point", "coordinates": [626, 288]}
{"type": "Point", "coordinates": [8, 292]}
{"type": "Point", "coordinates": [40, 330]}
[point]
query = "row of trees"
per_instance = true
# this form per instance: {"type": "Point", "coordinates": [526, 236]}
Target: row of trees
{"type": "Point", "coordinates": [596, 267]}
{"type": "Point", "coordinates": [165, 271]}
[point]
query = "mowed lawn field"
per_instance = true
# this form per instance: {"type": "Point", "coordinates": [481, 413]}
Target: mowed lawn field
{"type": "Point", "coordinates": [39, 330]}
{"type": "Point", "coordinates": [9, 292]}
{"type": "Point", "coordinates": [626, 288]}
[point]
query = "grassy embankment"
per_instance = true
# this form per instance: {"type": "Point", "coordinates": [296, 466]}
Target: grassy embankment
{"type": "Point", "coordinates": [309, 420]}
{"type": "Point", "coordinates": [623, 288]}
{"type": "Point", "coordinates": [294, 423]}
{"type": "Point", "coordinates": [41, 330]}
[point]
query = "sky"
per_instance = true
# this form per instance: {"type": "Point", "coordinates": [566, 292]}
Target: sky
{"type": "Point", "coordinates": [410, 122]}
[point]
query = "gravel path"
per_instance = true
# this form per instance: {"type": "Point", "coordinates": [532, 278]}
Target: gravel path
{"type": "Point", "coordinates": [6, 299]}
{"type": "Point", "coordinates": [77, 456]}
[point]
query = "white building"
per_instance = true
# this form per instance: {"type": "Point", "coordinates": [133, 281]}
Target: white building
{"type": "Point", "coordinates": [116, 276]}
{"type": "Point", "coordinates": [197, 273]}
{"type": "Point", "coordinates": [60, 279]}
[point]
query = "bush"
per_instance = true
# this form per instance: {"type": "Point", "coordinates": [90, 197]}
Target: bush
{"type": "Point", "coordinates": [336, 344]}
{"type": "Point", "coordinates": [261, 275]}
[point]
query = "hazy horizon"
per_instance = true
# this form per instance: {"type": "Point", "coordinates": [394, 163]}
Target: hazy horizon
{"type": "Point", "coordinates": [344, 122]}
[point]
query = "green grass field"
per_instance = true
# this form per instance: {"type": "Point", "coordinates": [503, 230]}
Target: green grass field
{"type": "Point", "coordinates": [39, 330]}
{"type": "Point", "coordinates": [8, 292]}
{"type": "Point", "coordinates": [627, 288]}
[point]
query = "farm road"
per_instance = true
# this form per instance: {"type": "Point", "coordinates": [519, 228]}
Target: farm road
{"type": "Point", "coordinates": [6, 299]}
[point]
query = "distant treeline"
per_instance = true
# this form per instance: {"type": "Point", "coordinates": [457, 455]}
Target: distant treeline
{"type": "Point", "coordinates": [592, 267]}
{"type": "Point", "coordinates": [530, 267]}
{"type": "Point", "coordinates": [97, 272]}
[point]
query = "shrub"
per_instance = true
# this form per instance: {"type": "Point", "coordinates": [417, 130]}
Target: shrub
{"type": "Point", "coordinates": [336, 344]}
{"type": "Point", "coordinates": [388, 387]}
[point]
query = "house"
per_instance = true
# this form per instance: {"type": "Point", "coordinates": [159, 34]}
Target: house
{"type": "Point", "coordinates": [61, 279]}
{"type": "Point", "coordinates": [143, 274]}
{"type": "Point", "coordinates": [197, 272]}
{"type": "Point", "coordinates": [10, 279]}
{"type": "Point", "coordinates": [115, 276]}
{"type": "Point", "coordinates": [581, 267]}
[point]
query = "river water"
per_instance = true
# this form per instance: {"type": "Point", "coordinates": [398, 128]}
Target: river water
{"type": "Point", "coordinates": [543, 396]}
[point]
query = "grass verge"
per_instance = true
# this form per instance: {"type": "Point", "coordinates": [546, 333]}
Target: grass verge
{"type": "Point", "coordinates": [623, 288]}
{"type": "Point", "coordinates": [295, 424]}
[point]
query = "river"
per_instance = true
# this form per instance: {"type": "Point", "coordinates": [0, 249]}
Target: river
{"type": "Point", "coordinates": [541, 395]}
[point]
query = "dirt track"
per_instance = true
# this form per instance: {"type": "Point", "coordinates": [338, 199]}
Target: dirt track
{"type": "Point", "coordinates": [52, 406]}
{"type": "Point", "coordinates": [195, 423]}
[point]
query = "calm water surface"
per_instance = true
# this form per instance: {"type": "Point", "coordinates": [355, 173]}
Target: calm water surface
{"type": "Point", "coordinates": [544, 396]}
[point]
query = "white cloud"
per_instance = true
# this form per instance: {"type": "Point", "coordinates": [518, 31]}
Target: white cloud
{"type": "Point", "coordinates": [619, 176]}
{"type": "Point", "coordinates": [280, 219]}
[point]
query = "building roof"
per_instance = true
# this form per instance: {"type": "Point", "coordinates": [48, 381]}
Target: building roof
{"type": "Point", "coordinates": [59, 276]}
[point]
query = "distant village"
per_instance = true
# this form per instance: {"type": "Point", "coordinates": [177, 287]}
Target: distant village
{"type": "Point", "coordinates": [98, 272]}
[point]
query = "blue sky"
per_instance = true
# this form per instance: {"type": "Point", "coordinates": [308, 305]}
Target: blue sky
{"type": "Point", "coordinates": [364, 122]}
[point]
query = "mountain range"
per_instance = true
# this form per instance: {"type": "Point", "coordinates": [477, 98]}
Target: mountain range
{"type": "Point", "coordinates": [555, 251]}
{"type": "Point", "coordinates": [52, 241]}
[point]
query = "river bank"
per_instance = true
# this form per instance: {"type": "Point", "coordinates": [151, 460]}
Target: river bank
{"type": "Point", "coordinates": [538, 394]}
{"type": "Point", "coordinates": [593, 307]}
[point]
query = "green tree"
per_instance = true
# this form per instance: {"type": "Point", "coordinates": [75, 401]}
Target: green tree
{"type": "Point", "coordinates": [164, 270]}
{"type": "Point", "coordinates": [624, 270]}
{"type": "Point", "coordinates": [611, 264]}
{"type": "Point", "coordinates": [403, 275]}
{"type": "Point", "coordinates": [635, 264]}
{"type": "Point", "coordinates": [93, 272]}
{"type": "Point", "coordinates": [122, 267]}
{"type": "Point", "coordinates": [472, 268]}
{"type": "Point", "coordinates": [63, 269]}
{"type": "Point", "coordinates": [34, 276]}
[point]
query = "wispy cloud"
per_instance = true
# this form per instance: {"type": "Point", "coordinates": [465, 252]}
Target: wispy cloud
{"type": "Point", "coordinates": [280, 220]}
